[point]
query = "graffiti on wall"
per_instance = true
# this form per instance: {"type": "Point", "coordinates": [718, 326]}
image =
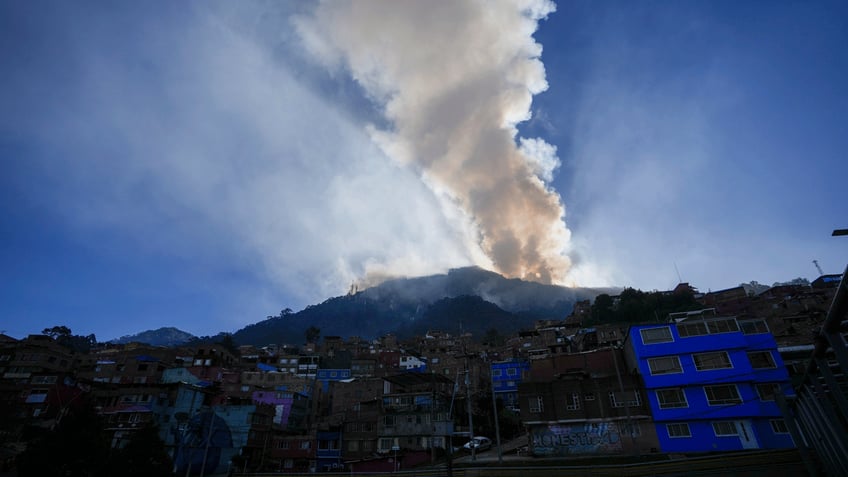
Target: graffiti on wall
{"type": "Point", "coordinates": [584, 438]}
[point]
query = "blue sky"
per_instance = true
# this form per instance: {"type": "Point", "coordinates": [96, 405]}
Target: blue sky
{"type": "Point", "coordinates": [203, 165]}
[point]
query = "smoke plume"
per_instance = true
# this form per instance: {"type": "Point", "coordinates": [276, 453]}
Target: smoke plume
{"type": "Point", "coordinates": [453, 80]}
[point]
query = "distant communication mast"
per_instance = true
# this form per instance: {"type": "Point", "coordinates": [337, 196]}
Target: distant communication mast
{"type": "Point", "coordinates": [816, 263]}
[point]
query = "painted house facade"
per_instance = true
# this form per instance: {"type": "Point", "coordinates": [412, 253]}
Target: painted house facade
{"type": "Point", "coordinates": [506, 376]}
{"type": "Point", "coordinates": [711, 383]}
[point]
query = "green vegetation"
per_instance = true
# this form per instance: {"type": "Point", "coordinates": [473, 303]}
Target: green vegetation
{"type": "Point", "coordinates": [636, 306]}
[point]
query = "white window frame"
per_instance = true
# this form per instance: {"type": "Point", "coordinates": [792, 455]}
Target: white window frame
{"type": "Point", "coordinates": [778, 423]}
{"type": "Point", "coordinates": [678, 426]}
{"type": "Point", "coordinates": [725, 428]}
{"type": "Point", "coordinates": [676, 404]}
{"type": "Point", "coordinates": [666, 338]}
{"type": "Point", "coordinates": [722, 402]}
{"type": "Point", "coordinates": [688, 329]}
{"type": "Point", "coordinates": [678, 370]}
{"type": "Point", "coordinates": [708, 365]}
{"type": "Point", "coordinates": [716, 326]}
{"type": "Point", "coordinates": [636, 402]}
{"type": "Point", "coordinates": [573, 403]}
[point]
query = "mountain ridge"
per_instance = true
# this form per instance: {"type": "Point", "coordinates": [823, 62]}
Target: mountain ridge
{"type": "Point", "coordinates": [467, 299]}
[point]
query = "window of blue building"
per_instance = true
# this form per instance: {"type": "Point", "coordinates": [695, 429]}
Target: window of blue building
{"type": "Point", "coordinates": [671, 398]}
{"type": "Point", "coordinates": [656, 335]}
{"type": "Point", "coordinates": [725, 428]}
{"type": "Point", "coordinates": [715, 360]}
{"type": "Point", "coordinates": [778, 426]}
{"type": "Point", "coordinates": [665, 365]}
{"type": "Point", "coordinates": [678, 429]}
{"type": "Point", "coordinates": [727, 325]}
{"type": "Point", "coordinates": [722, 395]}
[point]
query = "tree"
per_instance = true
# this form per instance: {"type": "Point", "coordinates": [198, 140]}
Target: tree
{"type": "Point", "coordinates": [602, 311]}
{"type": "Point", "coordinates": [229, 343]}
{"type": "Point", "coordinates": [63, 336]}
{"type": "Point", "coordinates": [312, 334]}
{"type": "Point", "coordinates": [57, 332]}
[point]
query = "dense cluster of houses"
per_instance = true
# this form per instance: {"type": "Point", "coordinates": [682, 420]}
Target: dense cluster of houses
{"type": "Point", "coordinates": [701, 381]}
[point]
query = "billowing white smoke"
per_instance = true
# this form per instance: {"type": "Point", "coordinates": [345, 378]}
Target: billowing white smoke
{"type": "Point", "coordinates": [454, 78]}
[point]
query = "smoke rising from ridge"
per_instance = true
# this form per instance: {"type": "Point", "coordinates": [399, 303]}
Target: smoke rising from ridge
{"type": "Point", "coordinates": [454, 79]}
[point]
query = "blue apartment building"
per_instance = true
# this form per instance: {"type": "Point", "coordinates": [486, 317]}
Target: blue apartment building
{"type": "Point", "coordinates": [711, 383]}
{"type": "Point", "coordinates": [506, 376]}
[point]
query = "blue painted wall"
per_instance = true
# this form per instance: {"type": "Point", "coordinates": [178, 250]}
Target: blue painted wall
{"type": "Point", "coordinates": [506, 384]}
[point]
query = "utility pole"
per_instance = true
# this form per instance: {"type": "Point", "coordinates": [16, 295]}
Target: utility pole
{"type": "Point", "coordinates": [468, 405]}
{"type": "Point", "coordinates": [495, 410]}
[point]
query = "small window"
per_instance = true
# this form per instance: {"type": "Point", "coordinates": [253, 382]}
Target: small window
{"type": "Point", "coordinates": [511, 372]}
{"type": "Point", "coordinates": [778, 426]}
{"type": "Point", "coordinates": [725, 428]}
{"type": "Point", "coordinates": [722, 395]}
{"type": "Point", "coordinates": [678, 430]}
{"type": "Point", "coordinates": [709, 361]}
{"type": "Point", "coordinates": [722, 326]}
{"type": "Point", "coordinates": [761, 360]}
{"type": "Point", "coordinates": [537, 404]}
{"type": "Point", "coordinates": [656, 335]}
{"type": "Point", "coordinates": [496, 373]}
{"type": "Point", "coordinates": [695, 328]}
{"type": "Point", "coordinates": [305, 444]}
{"type": "Point", "coordinates": [665, 365]}
{"type": "Point", "coordinates": [573, 402]}
{"type": "Point", "coordinates": [768, 391]}
{"type": "Point", "coordinates": [588, 397]}
{"type": "Point", "coordinates": [671, 398]}
{"type": "Point", "coordinates": [752, 327]}
{"type": "Point", "coordinates": [619, 399]}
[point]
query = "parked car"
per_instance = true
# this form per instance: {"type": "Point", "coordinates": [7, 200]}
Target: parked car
{"type": "Point", "coordinates": [478, 443]}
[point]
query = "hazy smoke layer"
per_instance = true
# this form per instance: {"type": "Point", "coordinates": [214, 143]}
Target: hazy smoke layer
{"type": "Point", "coordinates": [454, 79]}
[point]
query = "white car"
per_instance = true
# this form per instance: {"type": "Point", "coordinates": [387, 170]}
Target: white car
{"type": "Point", "coordinates": [478, 443]}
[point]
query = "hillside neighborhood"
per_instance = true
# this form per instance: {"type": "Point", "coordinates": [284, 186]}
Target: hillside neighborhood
{"type": "Point", "coordinates": [717, 376]}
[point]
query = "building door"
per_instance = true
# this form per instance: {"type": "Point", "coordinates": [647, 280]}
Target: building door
{"type": "Point", "coordinates": [746, 434]}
